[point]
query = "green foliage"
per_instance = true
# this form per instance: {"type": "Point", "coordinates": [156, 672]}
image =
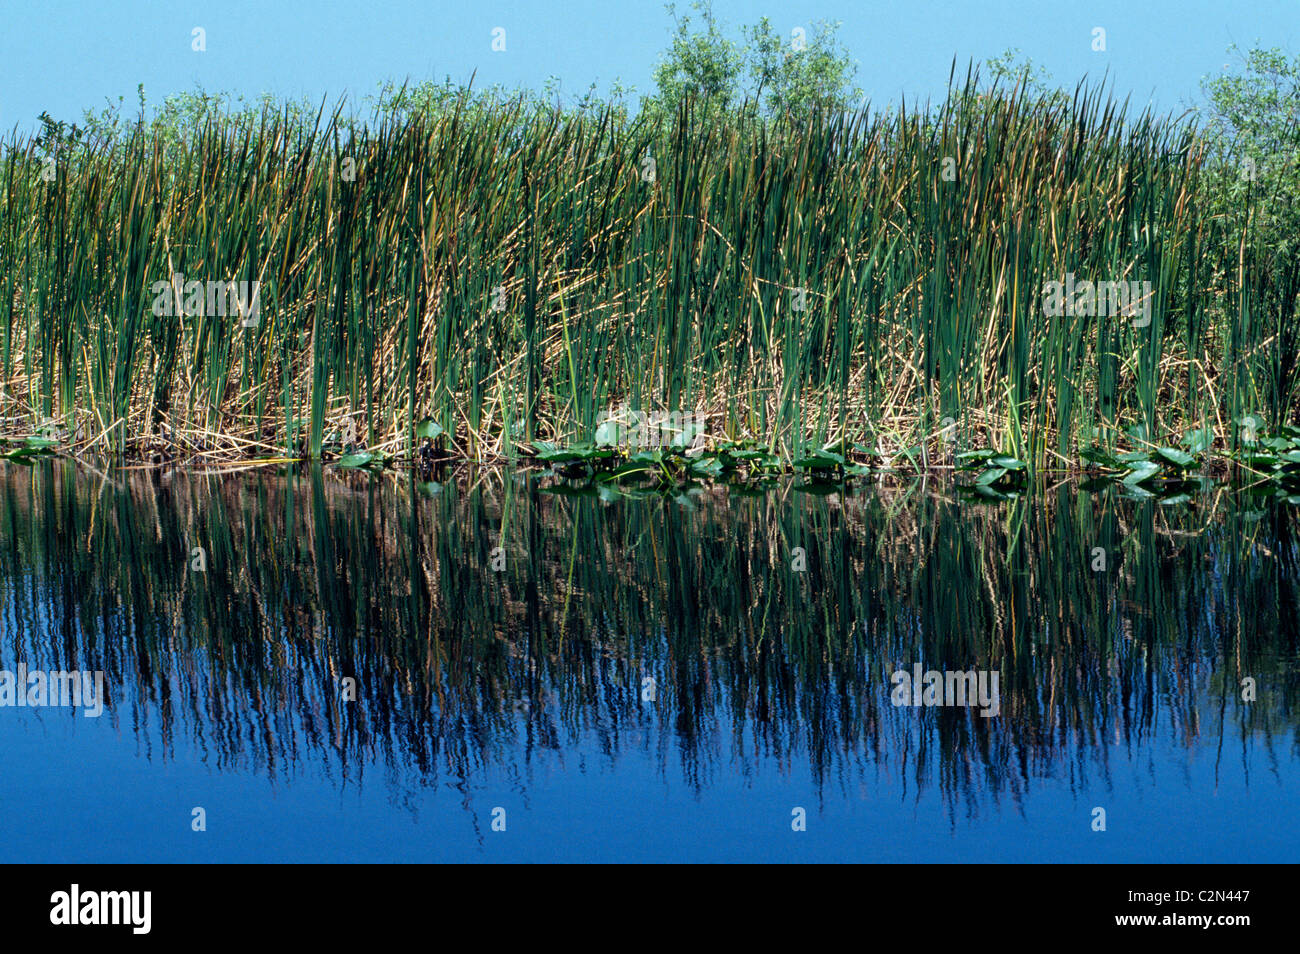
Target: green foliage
{"type": "Point", "coordinates": [29, 448]}
{"type": "Point", "coordinates": [1252, 125]}
{"type": "Point", "coordinates": [764, 72]}
{"type": "Point", "coordinates": [811, 273]}
{"type": "Point", "coordinates": [428, 429]}
{"type": "Point", "coordinates": [799, 81]}
{"type": "Point", "coordinates": [1012, 68]}
{"type": "Point", "coordinates": [1252, 132]}
{"type": "Point", "coordinates": [702, 66]}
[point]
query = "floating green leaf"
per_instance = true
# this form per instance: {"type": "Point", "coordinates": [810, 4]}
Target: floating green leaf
{"type": "Point", "coordinates": [820, 460]}
{"type": "Point", "coordinates": [1006, 462]}
{"type": "Point", "coordinates": [352, 461]}
{"type": "Point", "coordinates": [1197, 441]}
{"type": "Point", "coordinates": [1176, 457]}
{"type": "Point", "coordinates": [975, 458]}
{"type": "Point", "coordinates": [1096, 455]}
{"type": "Point", "coordinates": [707, 467]}
{"type": "Point", "coordinates": [607, 433]}
{"type": "Point", "coordinates": [1142, 472]}
{"type": "Point", "coordinates": [428, 428]}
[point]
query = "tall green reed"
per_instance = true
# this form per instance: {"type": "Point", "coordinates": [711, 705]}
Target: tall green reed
{"type": "Point", "coordinates": [864, 276]}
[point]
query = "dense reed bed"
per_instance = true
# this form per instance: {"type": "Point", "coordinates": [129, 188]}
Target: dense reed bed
{"type": "Point", "coordinates": [511, 272]}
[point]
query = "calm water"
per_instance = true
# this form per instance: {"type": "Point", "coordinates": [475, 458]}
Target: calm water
{"type": "Point", "coordinates": [642, 677]}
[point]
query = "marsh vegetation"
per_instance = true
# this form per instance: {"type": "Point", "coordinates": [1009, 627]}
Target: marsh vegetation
{"type": "Point", "coordinates": [809, 275]}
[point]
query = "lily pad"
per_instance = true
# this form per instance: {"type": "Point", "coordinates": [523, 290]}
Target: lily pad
{"type": "Point", "coordinates": [820, 460]}
{"type": "Point", "coordinates": [707, 467]}
{"type": "Point", "coordinates": [352, 461]}
{"type": "Point", "coordinates": [608, 433]}
{"type": "Point", "coordinates": [1176, 457]}
{"type": "Point", "coordinates": [1142, 472]}
{"type": "Point", "coordinates": [686, 436]}
{"type": "Point", "coordinates": [1197, 441]}
{"type": "Point", "coordinates": [429, 428]}
{"type": "Point", "coordinates": [1095, 455]}
{"type": "Point", "coordinates": [554, 454]}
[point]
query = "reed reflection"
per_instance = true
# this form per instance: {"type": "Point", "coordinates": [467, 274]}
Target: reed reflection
{"type": "Point", "coordinates": [674, 626]}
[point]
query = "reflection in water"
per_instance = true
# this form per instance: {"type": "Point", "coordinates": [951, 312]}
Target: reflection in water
{"type": "Point", "coordinates": [676, 628]}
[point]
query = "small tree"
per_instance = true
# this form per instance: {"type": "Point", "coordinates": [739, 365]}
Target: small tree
{"type": "Point", "coordinates": [786, 78]}
{"type": "Point", "coordinates": [1252, 124]}
{"type": "Point", "coordinates": [766, 73]}
{"type": "Point", "coordinates": [702, 65]}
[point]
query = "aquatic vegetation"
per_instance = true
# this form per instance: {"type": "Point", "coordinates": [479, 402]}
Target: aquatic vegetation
{"type": "Point", "coordinates": [492, 274]}
{"type": "Point", "coordinates": [28, 449]}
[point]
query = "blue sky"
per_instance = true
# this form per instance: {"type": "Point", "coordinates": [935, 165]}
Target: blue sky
{"type": "Point", "coordinates": [66, 55]}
